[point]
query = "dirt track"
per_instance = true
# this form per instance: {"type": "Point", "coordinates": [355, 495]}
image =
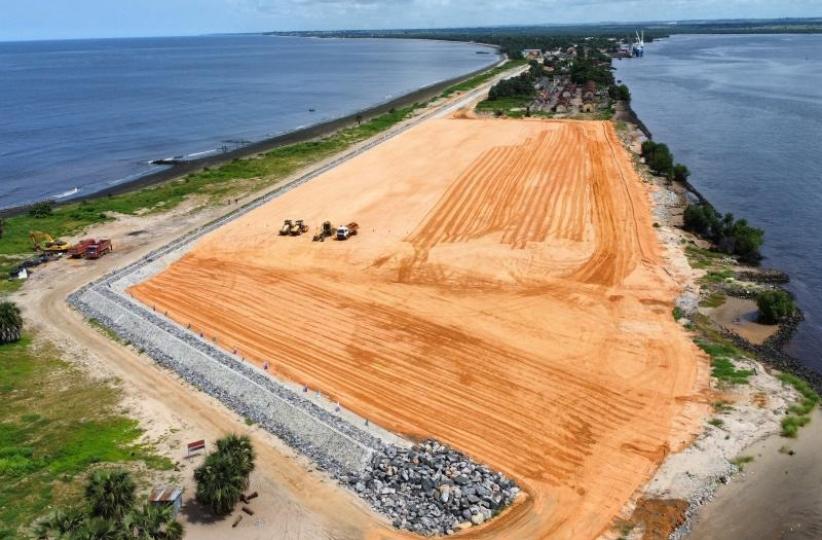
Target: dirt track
{"type": "Point", "coordinates": [506, 295]}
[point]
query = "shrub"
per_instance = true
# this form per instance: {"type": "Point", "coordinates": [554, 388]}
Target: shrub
{"type": "Point", "coordinates": [619, 93]}
{"type": "Point", "coordinates": [681, 173]}
{"type": "Point", "coordinates": [41, 209]}
{"type": "Point", "coordinates": [659, 158]}
{"type": "Point", "coordinates": [11, 323]}
{"type": "Point", "coordinates": [774, 306]}
{"type": "Point", "coordinates": [733, 236]}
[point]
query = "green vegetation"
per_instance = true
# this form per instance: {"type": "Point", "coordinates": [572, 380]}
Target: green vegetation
{"type": "Point", "coordinates": [774, 306]}
{"type": "Point", "coordinates": [594, 68]}
{"type": "Point", "coordinates": [716, 422]}
{"type": "Point", "coordinates": [729, 235]}
{"type": "Point", "coordinates": [520, 86]}
{"type": "Point", "coordinates": [41, 210]}
{"type": "Point", "coordinates": [722, 406]}
{"type": "Point", "coordinates": [722, 367]}
{"type": "Point", "coordinates": [619, 93]}
{"type": "Point", "coordinates": [799, 413]}
{"type": "Point", "coordinates": [224, 475]}
{"type": "Point", "coordinates": [55, 424]}
{"type": "Point", "coordinates": [213, 184]}
{"type": "Point", "coordinates": [681, 173]}
{"type": "Point", "coordinates": [514, 107]}
{"type": "Point", "coordinates": [105, 330]}
{"type": "Point", "coordinates": [109, 513]}
{"type": "Point", "coordinates": [659, 158]}
{"type": "Point", "coordinates": [741, 461]}
{"type": "Point", "coordinates": [705, 258]}
{"type": "Point", "coordinates": [485, 76]}
{"type": "Point", "coordinates": [11, 323]}
{"type": "Point", "coordinates": [714, 300]}
{"type": "Point", "coordinates": [677, 313]}
{"type": "Point", "coordinates": [717, 276]}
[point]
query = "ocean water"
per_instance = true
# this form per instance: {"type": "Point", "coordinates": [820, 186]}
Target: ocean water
{"type": "Point", "coordinates": [744, 113]}
{"type": "Point", "coordinates": [88, 114]}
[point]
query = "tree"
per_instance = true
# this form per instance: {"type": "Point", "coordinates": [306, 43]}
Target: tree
{"type": "Point", "coordinates": [219, 484]}
{"type": "Point", "coordinates": [60, 523]}
{"type": "Point", "coordinates": [110, 493]}
{"type": "Point", "coordinates": [775, 306]}
{"type": "Point", "coordinates": [619, 93]}
{"type": "Point", "coordinates": [152, 522]}
{"type": "Point", "coordinates": [681, 173]}
{"type": "Point", "coordinates": [660, 160]}
{"type": "Point", "coordinates": [11, 323]}
{"type": "Point", "coordinates": [241, 451]}
{"type": "Point", "coordinates": [223, 476]}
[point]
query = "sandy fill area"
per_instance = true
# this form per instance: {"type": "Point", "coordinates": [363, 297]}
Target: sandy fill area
{"type": "Point", "coordinates": [506, 295]}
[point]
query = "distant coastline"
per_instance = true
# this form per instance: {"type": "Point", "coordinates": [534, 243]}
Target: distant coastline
{"type": "Point", "coordinates": [314, 131]}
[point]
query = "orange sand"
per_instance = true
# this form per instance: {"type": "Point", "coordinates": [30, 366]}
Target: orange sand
{"type": "Point", "coordinates": [505, 295]}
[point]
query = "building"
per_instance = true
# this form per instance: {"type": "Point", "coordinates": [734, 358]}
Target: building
{"type": "Point", "coordinates": [167, 496]}
{"type": "Point", "coordinates": [532, 54]}
{"type": "Point", "coordinates": [588, 107]}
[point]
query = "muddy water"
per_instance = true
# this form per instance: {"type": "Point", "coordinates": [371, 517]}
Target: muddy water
{"type": "Point", "coordinates": [779, 496]}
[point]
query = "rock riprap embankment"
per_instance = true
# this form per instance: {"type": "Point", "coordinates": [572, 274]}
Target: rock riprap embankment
{"type": "Point", "coordinates": [426, 488]}
{"type": "Point", "coordinates": [432, 489]}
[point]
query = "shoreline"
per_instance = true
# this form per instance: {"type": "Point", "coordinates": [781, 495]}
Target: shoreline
{"type": "Point", "coordinates": [315, 131]}
{"type": "Point", "coordinates": [688, 479]}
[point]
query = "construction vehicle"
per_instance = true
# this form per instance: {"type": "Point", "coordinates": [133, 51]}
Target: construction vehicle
{"type": "Point", "coordinates": [344, 232]}
{"type": "Point", "coordinates": [78, 250]}
{"type": "Point", "coordinates": [97, 249]}
{"type": "Point", "coordinates": [326, 231]}
{"type": "Point", "coordinates": [44, 242]}
{"type": "Point", "coordinates": [286, 228]}
{"type": "Point", "coordinates": [299, 228]}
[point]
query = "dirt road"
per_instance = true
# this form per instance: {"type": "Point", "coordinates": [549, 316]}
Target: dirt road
{"type": "Point", "coordinates": [505, 294]}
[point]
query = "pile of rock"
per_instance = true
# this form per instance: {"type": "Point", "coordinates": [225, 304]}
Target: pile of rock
{"type": "Point", "coordinates": [432, 489]}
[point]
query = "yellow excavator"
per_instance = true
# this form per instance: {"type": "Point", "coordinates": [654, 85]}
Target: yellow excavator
{"type": "Point", "coordinates": [45, 243]}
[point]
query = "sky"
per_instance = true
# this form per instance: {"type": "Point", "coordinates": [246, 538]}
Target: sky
{"type": "Point", "coordinates": [61, 19]}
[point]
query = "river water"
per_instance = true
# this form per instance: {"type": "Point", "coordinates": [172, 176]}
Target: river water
{"type": "Point", "coordinates": [744, 113]}
{"type": "Point", "coordinates": [88, 114]}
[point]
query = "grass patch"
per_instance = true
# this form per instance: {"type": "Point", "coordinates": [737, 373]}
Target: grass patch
{"type": "Point", "coordinates": [677, 313]}
{"type": "Point", "coordinates": [704, 258]}
{"type": "Point", "coordinates": [798, 413]}
{"type": "Point", "coordinates": [722, 367]}
{"type": "Point", "coordinates": [714, 300]}
{"type": "Point", "coordinates": [485, 76]}
{"type": "Point", "coordinates": [55, 424]}
{"type": "Point", "coordinates": [506, 106]}
{"type": "Point", "coordinates": [216, 183]}
{"type": "Point", "coordinates": [741, 461]}
{"type": "Point", "coordinates": [722, 406]}
{"type": "Point", "coordinates": [103, 329]}
{"type": "Point", "coordinates": [716, 422]}
{"type": "Point", "coordinates": [717, 276]}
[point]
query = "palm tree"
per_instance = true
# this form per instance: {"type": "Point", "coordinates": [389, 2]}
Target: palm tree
{"type": "Point", "coordinates": [241, 451]}
{"type": "Point", "coordinates": [152, 522]}
{"type": "Point", "coordinates": [110, 493]}
{"type": "Point", "coordinates": [11, 323]}
{"type": "Point", "coordinates": [219, 483]}
{"type": "Point", "coordinates": [97, 528]}
{"type": "Point", "coordinates": [61, 524]}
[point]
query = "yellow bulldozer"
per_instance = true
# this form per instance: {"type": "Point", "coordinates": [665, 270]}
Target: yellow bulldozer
{"type": "Point", "coordinates": [44, 243]}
